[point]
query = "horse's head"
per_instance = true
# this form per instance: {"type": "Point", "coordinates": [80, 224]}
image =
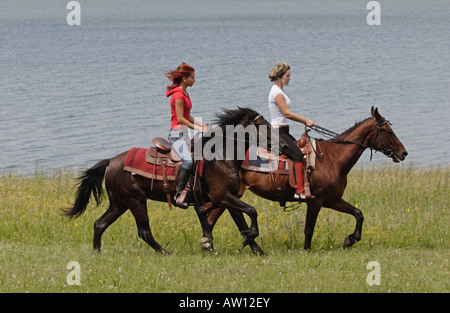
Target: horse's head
{"type": "Point", "coordinates": [385, 139]}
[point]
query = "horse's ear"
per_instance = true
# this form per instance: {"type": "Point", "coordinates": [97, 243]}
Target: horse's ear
{"type": "Point", "coordinates": [376, 115]}
{"type": "Point", "coordinates": [372, 110]}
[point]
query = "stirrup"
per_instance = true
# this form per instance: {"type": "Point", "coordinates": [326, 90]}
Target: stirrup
{"type": "Point", "coordinates": [180, 200]}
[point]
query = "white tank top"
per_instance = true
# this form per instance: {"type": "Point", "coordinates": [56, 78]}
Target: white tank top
{"type": "Point", "coordinates": [277, 117]}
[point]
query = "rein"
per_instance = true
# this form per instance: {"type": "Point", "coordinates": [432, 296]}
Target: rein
{"type": "Point", "coordinates": [333, 135]}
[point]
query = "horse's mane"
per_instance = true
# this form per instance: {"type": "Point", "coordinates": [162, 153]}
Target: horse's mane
{"type": "Point", "coordinates": [338, 138]}
{"type": "Point", "coordinates": [234, 116]}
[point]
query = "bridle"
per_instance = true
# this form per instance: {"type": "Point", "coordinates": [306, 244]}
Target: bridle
{"type": "Point", "coordinates": [333, 135]}
{"type": "Point", "coordinates": [384, 150]}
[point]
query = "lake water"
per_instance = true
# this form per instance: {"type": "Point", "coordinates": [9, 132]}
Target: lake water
{"type": "Point", "coordinates": [72, 95]}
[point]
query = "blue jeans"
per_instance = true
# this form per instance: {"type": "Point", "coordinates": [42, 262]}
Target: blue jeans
{"type": "Point", "coordinates": [178, 137]}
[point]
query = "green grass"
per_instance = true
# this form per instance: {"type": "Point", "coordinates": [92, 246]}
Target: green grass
{"type": "Point", "coordinates": [405, 230]}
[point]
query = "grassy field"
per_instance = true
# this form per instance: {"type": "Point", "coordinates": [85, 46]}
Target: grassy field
{"type": "Point", "coordinates": [406, 230]}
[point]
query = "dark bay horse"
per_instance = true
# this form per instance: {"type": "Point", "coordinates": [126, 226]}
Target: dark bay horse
{"type": "Point", "coordinates": [220, 186]}
{"type": "Point", "coordinates": [329, 179]}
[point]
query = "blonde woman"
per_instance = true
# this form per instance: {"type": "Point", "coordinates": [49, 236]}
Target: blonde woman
{"type": "Point", "coordinates": [281, 115]}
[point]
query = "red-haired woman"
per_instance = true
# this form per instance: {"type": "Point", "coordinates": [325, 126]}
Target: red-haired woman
{"type": "Point", "coordinates": [181, 119]}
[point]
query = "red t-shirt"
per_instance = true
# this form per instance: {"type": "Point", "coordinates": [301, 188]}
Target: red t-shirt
{"type": "Point", "coordinates": [178, 93]}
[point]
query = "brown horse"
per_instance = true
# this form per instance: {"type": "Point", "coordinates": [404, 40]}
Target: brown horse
{"type": "Point", "coordinates": [220, 186]}
{"type": "Point", "coordinates": [329, 179]}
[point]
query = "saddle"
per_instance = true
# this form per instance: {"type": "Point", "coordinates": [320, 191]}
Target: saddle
{"type": "Point", "coordinates": [163, 155]}
{"type": "Point", "coordinates": [274, 165]}
{"type": "Point", "coordinates": [162, 151]}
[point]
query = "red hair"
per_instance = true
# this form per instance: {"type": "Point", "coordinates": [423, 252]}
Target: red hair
{"type": "Point", "coordinates": [182, 71]}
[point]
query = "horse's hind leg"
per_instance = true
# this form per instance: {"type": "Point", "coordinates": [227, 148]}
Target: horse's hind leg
{"type": "Point", "coordinates": [114, 211]}
{"type": "Point", "coordinates": [139, 210]}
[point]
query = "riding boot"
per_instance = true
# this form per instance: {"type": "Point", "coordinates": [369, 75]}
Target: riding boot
{"type": "Point", "coordinates": [299, 183]}
{"type": "Point", "coordinates": [182, 178]}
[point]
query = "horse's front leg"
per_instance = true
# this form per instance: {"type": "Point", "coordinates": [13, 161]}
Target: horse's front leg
{"type": "Point", "coordinates": [239, 219]}
{"type": "Point", "coordinates": [204, 213]}
{"type": "Point", "coordinates": [311, 216]}
{"type": "Point", "coordinates": [345, 207]}
{"type": "Point", "coordinates": [235, 206]}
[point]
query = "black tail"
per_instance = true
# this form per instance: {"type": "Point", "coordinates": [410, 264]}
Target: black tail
{"type": "Point", "coordinates": [90, 182]}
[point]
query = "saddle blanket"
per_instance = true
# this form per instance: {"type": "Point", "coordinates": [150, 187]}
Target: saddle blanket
{"type": "Point", "coordinates": [135, 163]}
{"type": "Point", "coordinates": [254, 162]}
{"type": "Point", "coordinates": [265, 162]}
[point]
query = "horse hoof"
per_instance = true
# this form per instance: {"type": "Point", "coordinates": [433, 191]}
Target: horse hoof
{"type": "Point", "coordinates": [206, 244]}
{"type": "Point", "coordinates": [164, 252]}
{"type": "Point", "coordinates": [349, 241]}
{"type": "Point", "coordinates": [262, 253]}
